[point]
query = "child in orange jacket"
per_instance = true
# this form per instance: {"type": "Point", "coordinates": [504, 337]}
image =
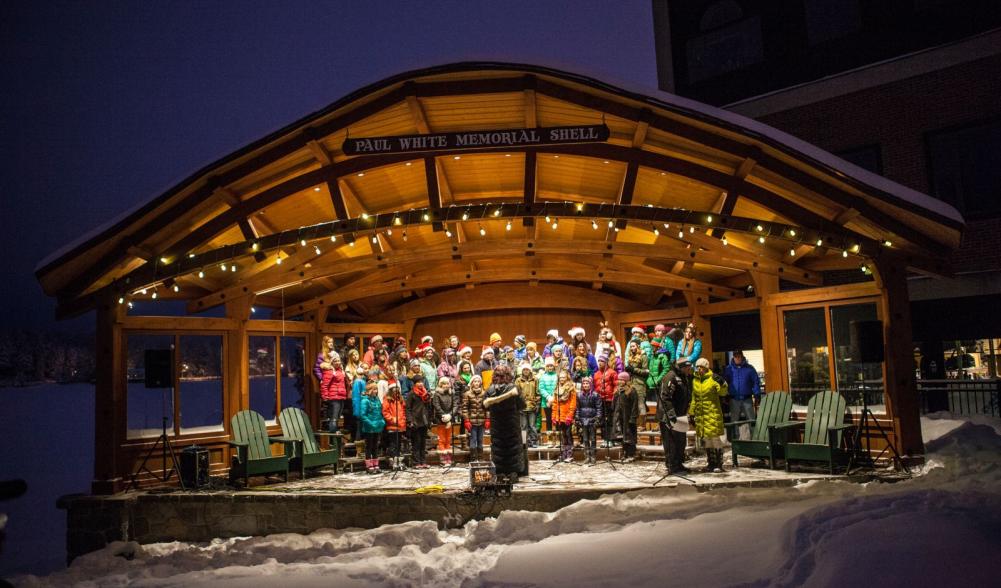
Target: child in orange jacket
{"type": "Point", "coordinates": [564, 407]}
{"type": "Point", "coordinates": [394, 411]}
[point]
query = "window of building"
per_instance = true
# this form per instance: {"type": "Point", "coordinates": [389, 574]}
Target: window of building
{"type": "Point", "coordinates": [277, 374]}
{"type": "Point", "coordinates": [965, 167]}
{"type": "Point", "coordinates": [263, 381]}
{"type": "Point", "coordinates": [827, 20]}
{"type": "Point", "coordinates": [194, 401]}
{"type": "Point", "coordinates": [727, 42]}
{"type": "Point", "coordinates": [200, 394]}
{"type": "Point", "coordinates": [869, 158]}
{"type": "Point", "coordinates": [818, 351]}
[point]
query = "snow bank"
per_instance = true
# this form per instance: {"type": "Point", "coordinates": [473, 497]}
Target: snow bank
{"type": "Point", "coordinates": [938, 528]}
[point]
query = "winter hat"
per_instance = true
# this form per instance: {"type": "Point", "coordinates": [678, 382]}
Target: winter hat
{"type": "Point", "coordinates": [525, 366]}
{"type": "Point", "coordinates": [659, 328]}
{"type": "Point", "coordinates": [465, 349]}
{"type": "Point", "coordinates": [624, 377]}
{"type": "Point", "coordinates": [486, 350]}
{"type": "Point", "coordinates": [449, 352]}
{"type": "Point", "coordinates": [702, 363]}
{"type": "Point", "coordinates": [427, 339]}
{"type": "Point", "coordinates": [375, 338]}
{"type": "Point", "coordinates": [520, 339]}
{"type": "Point", "coordinates": [421, 349]}
{"type": "Point", "coordinates": [427, 347]}
{"type": "Point", "coordinates": [445, 380]}
{"type": "Point", "coordinates": [399, 350]}
{"type": "Point", "coordinates": [683, 363]}
{"type": "Point", "coordinates": [495, 338]}
{"type": "Point", "coordinates": [475, 378]}
{"type": "Point", "coordinates": [603, 357]}
{"type": "Point", "coordinates": [531, 345]}
{"type": "Point", "coordinates": [638, 330]}
{"type": "Point", "coordinates": [334, 356]}
{"type": "Point", "coordinates": [550, 361]}
{"type": "Point", "coordinates": [507, 349]}
{"type": "Point", "coordinates": [553, 333]}
{"type": "Point", "coordinates": [394, 384]}
{"type": "Point", "coordinates": [574, 331]}
{"type": "Point", "coordinates": [415, 363]}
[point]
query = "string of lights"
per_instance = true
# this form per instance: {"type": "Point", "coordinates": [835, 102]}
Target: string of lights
{"type": "Point", "coordinates": [171, 266]}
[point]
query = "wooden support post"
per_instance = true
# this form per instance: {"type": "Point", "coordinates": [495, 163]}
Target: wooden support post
{"type": "Point", "coordinates": [765, 286]}
{"type": "Point", "coordinates": [237, 367]}
{"type": "Point", "coordinates": [109, 399]}
{"type": "Point", "coordinates": [902, 403]}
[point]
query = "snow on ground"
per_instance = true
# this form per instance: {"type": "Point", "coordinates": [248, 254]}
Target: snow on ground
{"type": "Point", "coordinates": [938, 528]}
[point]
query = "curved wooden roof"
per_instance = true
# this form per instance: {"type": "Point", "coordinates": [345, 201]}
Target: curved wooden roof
{"type": "Point", "coordinates": [411, 223]}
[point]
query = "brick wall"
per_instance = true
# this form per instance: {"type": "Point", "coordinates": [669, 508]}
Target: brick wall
{"type": "Point", "coordinates": [896, 116]}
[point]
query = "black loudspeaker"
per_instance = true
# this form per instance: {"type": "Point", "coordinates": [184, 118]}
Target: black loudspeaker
{"type": "Point", "coordinates": [159, 368]}
{"type": "Point", "coordinates": [867, 341]}
{"type": "Point", "coordinates": [194, 467]}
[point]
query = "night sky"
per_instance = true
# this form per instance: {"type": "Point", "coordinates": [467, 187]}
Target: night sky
{"type": "Point", "coordinates": [105, 105]}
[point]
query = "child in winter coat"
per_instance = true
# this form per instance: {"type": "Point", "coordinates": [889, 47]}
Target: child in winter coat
{"type": "Point", "coordinates": [445, 404]}
{"type": "Point", "coordinates": [604, 383]}
{"type": "Point", "coordinates": [707, 389]}
{"type": "Point", "coordinates": [589, 413]}
{"type": "Point", "coordinates": [475, 416]}
{"type": "Point", "coordinates": [528, 388]}
{"type": "Point", "coordinates": [564, 406]}
{"type": "Point", "coordinates": [689, 347]}
{"type": "Point", "coordinates": [394, 411]}
{"type": "Point", "coordinates": [637, 365]}
{"type": "Point", "coordinates": [627, 411]}
{"type": "Point", "coordinates": [372, 425]}
{"type": "Point", "coordinates": [547, 387]}
{"type": "Point", "coordinates": [418, 419]}
{"type": "Point", "coordinates": [357, 392]}
{"type": "Point", "coordinates": [333, 390]}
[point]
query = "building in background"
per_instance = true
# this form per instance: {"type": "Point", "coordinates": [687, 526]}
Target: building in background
{"type": "Point", "coordinates": [908, 89]}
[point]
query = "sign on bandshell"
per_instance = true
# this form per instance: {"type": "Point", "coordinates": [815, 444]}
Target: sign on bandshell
{"type": "Point", "coordinates": [475, 140]}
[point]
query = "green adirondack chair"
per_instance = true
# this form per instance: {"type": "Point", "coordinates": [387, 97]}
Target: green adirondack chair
{"type": "Point", "coordinates": [823, 431]}
{"type": "Point", "coordinates": [296, 426]}
{"type": "Point", "coordinates": [253, 449]}
{"type": "Point", "coordinates": [765, 440]}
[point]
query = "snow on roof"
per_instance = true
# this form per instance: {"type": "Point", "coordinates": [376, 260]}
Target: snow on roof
{"type": "Point", "coordinates": [640, 92]}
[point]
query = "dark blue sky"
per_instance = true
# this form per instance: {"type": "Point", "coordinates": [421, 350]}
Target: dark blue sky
{"type": "Point", "coordinates": [107, 104]}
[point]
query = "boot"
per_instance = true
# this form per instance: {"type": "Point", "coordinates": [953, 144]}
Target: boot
{"type": "Point", "coordinates": [719, 460]}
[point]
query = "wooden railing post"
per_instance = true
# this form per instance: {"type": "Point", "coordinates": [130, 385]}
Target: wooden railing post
{"type": "Point", "coordinates": [765, 286]}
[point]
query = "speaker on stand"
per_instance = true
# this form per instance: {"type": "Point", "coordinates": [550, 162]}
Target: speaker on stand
{"type": "Point", "coordinates": [159, 373]}
{"type": "Point", "coordinates": [867, 349]}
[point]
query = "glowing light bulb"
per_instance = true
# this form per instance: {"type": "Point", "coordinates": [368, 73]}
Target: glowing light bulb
{"type": "Point", "coordinates": [333, 238]}
{"type": "Point", "coordinates": [759, 228]}
{"type": "Point", "coordinates": [397, 221]}
{"type": "Point", "coordinates": [556, 224]}
{"type": "Point", "coordinates": [389, 232]}
{"type": "Point", "coordinates": [887, 243]}
{"type": "Point", "coordinates": [691, 230]}
{"type": "Point", "coordinates": [375, 238]}
{"type": "Point", "coordinates": [201, 273]}
{"type": "Point", "coordinates": [130, 304]}
{"type": "Point", "coordinates": [483, 232]}
{"type": "Point", "coordinates": [709, 219]}
{"type": "Point", "coordinates": [761, 239]}
{"type": "Point", "coordinates": [465, 216]}
{"type": "Point", "coordinates": [448, 234]}
{"type": "Point", "coordinates": [507, 227]}
{"type": "Point", "coordinates": [611, 224]}
{"type": "Point", "coordinates": [844, 253]}
{"type": "Point", "coordinates": [820, 242]}
{"type": "Point", "coordinates": [121, 300]}
{"type": "Point", "coordinates": [316, 249]}
{"type": "Point", "coordinates": [426, 217]}
{"type": "Point", "coordinates": [164, 260]}
{"type": "Point", "coordinates": [656, 231]}
{"type": "Point", "coordinates": [143, 291]}
{"type": "Point", "coordinates": [253, 247]}
{"type": "Point", "coordinates": [497, 212]}
{"type": "Point", "coordinates": [725, 242]}
{"type": "Point", "coordinates": [302, 242]}
{"type": "Point", "coordinates": [594, 225]}
{"type": "Point", "coordinates": [792, 232]}
{"type": "Point", "coordinates": [191, 256]}
{"type": "Point", "coordinates": [548, 220]}
{"type": "Point", "coordinates": [364, 216]}
{"type": "Point", "coordinates": [232, 268]}
{"type": "Point", "coordinates": [352, 243]}
{"type": "Point", "coordinates": [681, 234]}
{"type": "Point", "coordinates": [154, 295]}
{"type": "Point", "coordinates": [792, 253]}
{"type": "Point", "coordinates": [278, 260]}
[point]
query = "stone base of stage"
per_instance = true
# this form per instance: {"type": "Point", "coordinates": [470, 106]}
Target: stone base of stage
{"type": "Point", "coordinates": [362, 500]}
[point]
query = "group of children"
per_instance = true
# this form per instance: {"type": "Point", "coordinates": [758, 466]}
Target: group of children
{"type": "Point", "coordinates": [568, 384]}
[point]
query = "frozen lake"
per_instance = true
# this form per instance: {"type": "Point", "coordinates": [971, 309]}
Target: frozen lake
{"type": "Point", "coordinates": [48, 440]}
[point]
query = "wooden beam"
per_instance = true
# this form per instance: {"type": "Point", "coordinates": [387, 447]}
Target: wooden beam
{"type": "Point", "coordinates": [441, 279]}
{"type": "Point", "coordinates": [431, 177]}
{"type": "Point", "coordinates": [642, 126]}
{"type": "Point", "coordinates": [227, 196]}
{"type": "Point", "coordinates": [501, 249]}
{"type": "Point", "coordinates": [490, 297]}
{"type": "Point", "coordinates": [247, 230]}
{"type": "Point", "coordinates": [319, 153]}
{"type": "Point", "coordinates": [141, 252]}
{"type": "Point", "coordinates": [530, 184]}
{"type": "Point", "coordinates": [337, 199]}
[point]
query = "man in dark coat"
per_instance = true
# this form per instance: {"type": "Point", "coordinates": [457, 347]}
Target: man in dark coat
{"type": "Point", "coordinates": [507, 445]}
{"type": "Point", "coordinates": [673, 399]}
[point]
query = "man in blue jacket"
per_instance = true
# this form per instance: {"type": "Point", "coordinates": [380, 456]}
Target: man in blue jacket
{"type": "Point", "coordinates": [745, 391]}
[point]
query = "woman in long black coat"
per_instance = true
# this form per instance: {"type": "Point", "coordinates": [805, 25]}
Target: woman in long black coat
{"type": "Point", "coordinates": [507, 448]}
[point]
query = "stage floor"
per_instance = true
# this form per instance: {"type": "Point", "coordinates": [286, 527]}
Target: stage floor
{"type": "Point", "coordinates": [548, 475]}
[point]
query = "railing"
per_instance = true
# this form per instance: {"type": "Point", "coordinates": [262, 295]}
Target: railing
{"type": "Point", "coordinates": [966, 397]}
{"type": "Point", "coordinates": [873, 390]}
